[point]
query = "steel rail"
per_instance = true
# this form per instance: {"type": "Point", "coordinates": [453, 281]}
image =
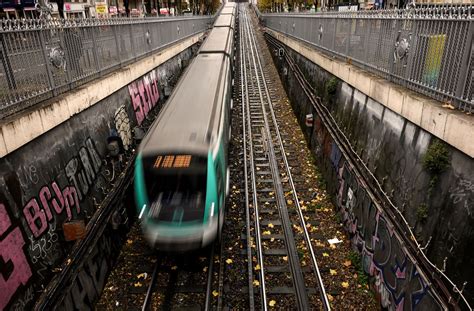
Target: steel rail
{"type": "Point", "coordinates": [207, 304]}
{"type": "Point", "coordinates": [252, 170]}
{"type": "Point", "coordinates": [322, 290]}
{"type": "Point", "coordinates": [149, 292]}
{"type": "Point", "coordinates": [247, 208]}
{"type": "Point", "coordinates": [295, 266]}
{"type": "Point", "coordinates": [374, 189]}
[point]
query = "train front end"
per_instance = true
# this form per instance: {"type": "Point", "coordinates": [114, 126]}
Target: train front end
{"type": "Point", "coordinates": [176, 198]}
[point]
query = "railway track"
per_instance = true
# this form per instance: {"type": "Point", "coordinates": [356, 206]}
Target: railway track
{"type": "Point", "coordinates": [188, 281]}
{"type": "Point", "coordinates": [282, 256]}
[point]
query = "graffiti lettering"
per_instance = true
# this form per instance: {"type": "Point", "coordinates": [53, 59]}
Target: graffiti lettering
{"type": "Point", "coordinates": [122, 124]}
{"type": "Point", "coordinates": [397, 280]}
{"type": "Point", "coordinates": [17, 271]}
{"type": "Point", "coordinates": [83, 177]}
{"type": "Point", "coordinates": [38, 219]}
{"type": "Point", "coordinates": [144, 95]}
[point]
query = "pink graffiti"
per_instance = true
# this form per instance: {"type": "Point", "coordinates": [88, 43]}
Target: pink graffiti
{"type": "Point", "coordinates": [144, 95]}
{"type": "Point", "coordinates": [38, 218]}
{"type": "Point", "coordinates": [11, 250]}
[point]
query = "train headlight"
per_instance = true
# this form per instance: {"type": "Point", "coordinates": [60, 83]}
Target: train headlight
{"type": "Point", "coordinates": [211, 214]}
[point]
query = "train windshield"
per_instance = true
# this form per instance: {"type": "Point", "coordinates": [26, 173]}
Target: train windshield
{"type": "Point", "coordinates": [176, 186]}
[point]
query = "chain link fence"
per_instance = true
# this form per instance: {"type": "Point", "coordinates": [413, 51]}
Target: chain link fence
{"type": "Point", "coordinates": [40, 59]}
{"type": "Point", "coordinates": [428, 50]}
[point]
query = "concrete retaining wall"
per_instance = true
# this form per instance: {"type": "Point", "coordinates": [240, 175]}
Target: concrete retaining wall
{"type": "Point", "coordinates": [54, 181]}
{"type": "Point", "coordinates": [440, 208]}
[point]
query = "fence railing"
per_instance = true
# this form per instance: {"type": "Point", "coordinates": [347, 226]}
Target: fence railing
{"type": "Point", "coordinates": [429, 51]}
{"type": "Point", "coordinates": [40, 59]}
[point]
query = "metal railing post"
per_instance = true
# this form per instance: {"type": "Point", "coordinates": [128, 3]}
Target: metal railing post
{"type": "Point", "coordinates": [95, 52]}
{"type": "Point", "coordinates": [46, 62]}
{"type": "Point", "coordinates": [117, 45]}
{"type": "Point", "coordinates": [467, 55]}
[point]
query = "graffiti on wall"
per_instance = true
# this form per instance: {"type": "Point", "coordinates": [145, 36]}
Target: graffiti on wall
{"type": "Point", "coordinates": [122, 124]}
{"type": "Point", "coordinates": [398, 282]}
{"type": "Point", "coordinates": [33, 247]}
{"type": "Point", "coordinates": [16, 270]}
{"type": "Point", "coordinates": [144, 95]}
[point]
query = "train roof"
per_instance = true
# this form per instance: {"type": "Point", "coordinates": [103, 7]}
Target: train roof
{"type": "Point", "coordinates": [225, 21]}
{"type": "Point", "coordinates": [228, 11]}
{"type": "Point", "coordinates": [230, 4]}
{"type": "Point", "coordinates": [190, 112]}
{"type": "Point", "coordinates": [219, 41]}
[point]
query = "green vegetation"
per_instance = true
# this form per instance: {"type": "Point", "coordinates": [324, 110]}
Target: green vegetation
{"type": "Point", "coordinates": [422, 212]}
{"type": "Point", "coordinates": [331, 86]}
{"type": "Point", "coordinates": [356, 260]}
{"type": "Point", "coordinates": [436, 158]}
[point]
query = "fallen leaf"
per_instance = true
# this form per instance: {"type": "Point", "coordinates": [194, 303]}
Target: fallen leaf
{"type": "Point", "coordinates": [142, 275]}
{"type": "Point", "coordinates": [345, 284]}
{"type": "Point", "coordinates": [129, 241]}
{"type": "Point", "coordinates": [204, 269]}
{"type": "Point", "coordinates": [330, 297]}
{"type": "Point", "coordinates": [449, 106]}
{"type": "Point", "coordinates": [215, 293]}
{"type": "Point", "coordinates": [267, 232]}
{"type": "Point", "coordinates": [333, 272]}
{"type": "Point", "coordinates": [289, 202]}
{"type": "Point", "coordinates": [285, 258]}
{"type": "Point", "coordinates": [325, 255]}
{"type": "Point", "coordinates": [138, 284]}
{"type": "Point", "coordinates": [270, 225]}
{"type": "Point", "coordinates": [229, 261]}
{"type": "Point", "coordinates": [347, 263]}
{"type": "Point", "coordinates": [174, 267]}
{"type": "Point", "coordinates": [332, 246]}
{"type": "Point", "coordinates": [256, 283]}
{"type": "Point", "coordinates": [257, 267]}
{"type": "Point", "coordinates": [272, 303]}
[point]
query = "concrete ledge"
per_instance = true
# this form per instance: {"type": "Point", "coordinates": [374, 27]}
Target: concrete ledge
{"type": "Point", "coordinates": [23, 127]}
{"type": "Point", "coordinates": [452, 126]}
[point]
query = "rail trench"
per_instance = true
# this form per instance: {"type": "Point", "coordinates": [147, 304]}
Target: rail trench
{"type": "Point", "coordinates": [236, 280]}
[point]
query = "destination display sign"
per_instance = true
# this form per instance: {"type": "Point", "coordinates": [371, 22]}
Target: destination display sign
{"type": "Point", "coordinates": [173, 161]}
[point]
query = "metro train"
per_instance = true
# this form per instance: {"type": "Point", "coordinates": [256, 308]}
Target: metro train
{"type": "Point", "coordinates": [181, 177]}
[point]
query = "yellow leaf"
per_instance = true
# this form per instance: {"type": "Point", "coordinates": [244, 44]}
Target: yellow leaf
{"type": "Point", "coordinates": [138, 284]}
{"type": "Point", "coordinates": [345, 284]}
{"type": "Point", "coordinates": [229, 261]}
{"type": "Point", "coordinates": [289, 202]}
{"type": "Point", "coordinates": [347, 263]}
{"type": "Point", "coordinates": [266, 232]}
{"type": "Point", "coordinates": [129, 241]}
{"type": "Point", "coordinates": [449, 106]}
{"type": "Point", "coordinates": [215, 293]}
{"type": "Point", "coordinates": [332, 246]}
{"type": "Point", "coordinates": [257, 267]}
{"type": "Point", "coordinates": [68, 261]}
{"type": "Point", "coordinates": [272, 303]}
{"type": "Point", "coordinates": [325, 255]}
{"type": "Point", "coordinates": [285, 258]}
{"type": "Point", "coordinates": [333, 272]}
{"type": "Point", "coordinates": [141, 275]}
{"type": "Point", "coordinates": [270, 225]}
{"type": "Point", "coordinates": [256, 283]}
{"type": "Point", "coordinates": [272, 239]}
{"type": "Point", "coordinates": [330, 298]}
{"type": "Point", "coordinates": [174, 267]}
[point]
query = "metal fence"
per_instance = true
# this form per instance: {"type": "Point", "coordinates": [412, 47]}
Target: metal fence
{"type": "Point", "coordinates": [44, 58]}
{"type": "Point", "coordinates": [429, 51]}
